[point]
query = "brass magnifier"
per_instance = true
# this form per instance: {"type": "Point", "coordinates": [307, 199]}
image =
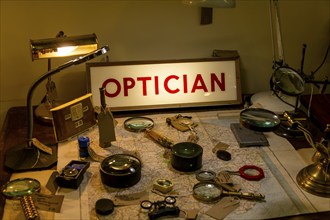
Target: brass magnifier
{"type": "Point", "coordinates": [22, 189]}
{"type": "Point", "coordinates": [314, 178]}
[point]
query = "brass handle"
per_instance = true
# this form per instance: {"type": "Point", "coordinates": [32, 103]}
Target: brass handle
{"type": "Point", "coordinates": [29, 208]}
{"type": "Point", "coordinates": [253, 196]}
{"type": "Point", "coordinates": [160, 139]}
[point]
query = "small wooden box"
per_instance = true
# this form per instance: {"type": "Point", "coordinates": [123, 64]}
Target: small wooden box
{"type": "Point", "coordinates": [73, 118]}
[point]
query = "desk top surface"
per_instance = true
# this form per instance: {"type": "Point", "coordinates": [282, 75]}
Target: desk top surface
{"type": "Point", "coordinates": [279, 161]}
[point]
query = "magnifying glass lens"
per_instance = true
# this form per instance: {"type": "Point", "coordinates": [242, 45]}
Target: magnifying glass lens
{"type": "Point", "coordinates": [207, 192]}
{"type": "Point", "coordinates": [138, 124]}
{"type": "Point", "coordinates": [288, 81]}
{"type": "Point", "coordinates": [20, 187]}
{"type": "Point", "coordinates": [146, 204]}
{"type": "Point", "coordinates": [259, 119]}
{"type": "Point", "coordinates": [170, 199]}
{"type": "Point", "coordinates": [251, 172]}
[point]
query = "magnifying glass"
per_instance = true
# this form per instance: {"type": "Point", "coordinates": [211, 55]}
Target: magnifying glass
{"type": "Point", "coordinates": [249, 172]}
{"type": "Point", "coordinates": [287, 81]}
{"type": "Point", "coordinates": [22, 189]}
{"type": "Point", "coordinates": [138, 124]}
{"type": "Point", "coordinates": [259, 119]}
{"type": "Point", "coordinates": [205, 175]}
{"type": "Point", "coordinates": [210, 192]}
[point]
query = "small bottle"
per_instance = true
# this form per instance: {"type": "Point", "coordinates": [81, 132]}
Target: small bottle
{"type": "Point", "coordinates": [83, 142]}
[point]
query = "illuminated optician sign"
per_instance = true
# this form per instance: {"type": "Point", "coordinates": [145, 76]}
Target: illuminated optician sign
{"type": "Point", "coordinates": [168, 84]}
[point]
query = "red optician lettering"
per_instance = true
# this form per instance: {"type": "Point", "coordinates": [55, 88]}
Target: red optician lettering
{"type": "Point", "coordinates": [221, 83]}
{"type": "Point", "coordinates": [156, 85]}
{"type": "Point", "coordinates": [199, 80]}
{"type": "Point", "coordinates": [116, 93]}
{"type": "Point", "coordinates": [199, 83]}
{"type": "Point", "coordinates": [185, 84]}
{"type": "Point", "coordinates": [166, 82]}
{"type": "Point", "coordinates": [129, 83]}
{"type": "Point", "coordinates": [144, 84]}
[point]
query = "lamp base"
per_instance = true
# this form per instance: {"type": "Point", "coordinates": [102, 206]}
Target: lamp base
{"type": "Point", "coordinates": [42, 112]}
{"type": "Point", "coordinates": [21, 158]}
{"type": "Point", "coordinates": [315, 179]}
{"type": "Point", "coordinates": [287, 130]}
{"type": "Point", "coordinates": [271, 102]}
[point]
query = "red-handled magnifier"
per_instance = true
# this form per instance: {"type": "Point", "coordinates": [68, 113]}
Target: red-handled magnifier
{"type": "Point", "coordinates": [249, 172]}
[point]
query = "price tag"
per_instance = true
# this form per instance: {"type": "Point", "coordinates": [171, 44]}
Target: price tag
{"type": "Point", "coordinates": [220, 146]}
{"type": "Point", "coordinates": [224, 207]}
{"type": "Point", "coordinates": [224, 177]}
{"type": "Point", "coordinates": [41, 146]}
{"type": "Point", "coordinates": [45, 202]}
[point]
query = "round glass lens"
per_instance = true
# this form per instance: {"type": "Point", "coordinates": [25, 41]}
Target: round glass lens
{"type": "Point", "coordinates": [205, 175]}
{"type": "Point", "coordinates": [288, 81]}
{"type": "Point", "coordinates": [20, 187]}
{"type": "Point", "coordinates": [259, 119]}
{"type": "Point", "coordinates": [137, 124]}
{"type": "Point", "coordinates": [207, 192]}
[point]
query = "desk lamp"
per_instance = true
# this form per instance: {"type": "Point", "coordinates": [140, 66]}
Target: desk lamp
{"type": "Point", "coordinates": [314, 178]}
{"type": "Point", "coordinates": [286, 83]}
{"type": "Point", "coordinates": [60, 46]}
{"type": "Point", "coordinates": [33, 154]}
{"type": "Point", "coordinates": [281, 97]}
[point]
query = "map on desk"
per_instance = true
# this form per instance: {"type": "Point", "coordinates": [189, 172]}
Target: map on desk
{"type": "Point", "coordinates": [283, 198]}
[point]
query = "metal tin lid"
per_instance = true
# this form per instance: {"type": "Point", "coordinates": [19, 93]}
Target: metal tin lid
{"type": "Point", "coordinates": [120, 164]}
{"type": "Point", "coordinates": [83, 141]}
{"type": "Point", "coordinates": [187, 150]}
{"type": "Point", "coordinates": [104, 206]}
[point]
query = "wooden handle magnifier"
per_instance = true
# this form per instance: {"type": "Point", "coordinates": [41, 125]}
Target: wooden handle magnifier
{"type": "Point", "coordinates": [22, 189]}
{"type": "Point", "coordinates": [210, 192]}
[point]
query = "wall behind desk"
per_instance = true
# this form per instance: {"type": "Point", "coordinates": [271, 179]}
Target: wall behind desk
{"type": "Point", "coordinates": [155, 30]}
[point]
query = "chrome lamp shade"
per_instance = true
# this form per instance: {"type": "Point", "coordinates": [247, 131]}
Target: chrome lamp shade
{"type": "Point", "coordinates": [63, 46]}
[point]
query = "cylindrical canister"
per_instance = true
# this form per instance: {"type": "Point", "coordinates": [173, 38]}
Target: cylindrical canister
{"type": "Point", "coordinates": [83, 142]}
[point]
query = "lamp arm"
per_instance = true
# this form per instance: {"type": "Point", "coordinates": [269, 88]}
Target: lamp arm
{"type": "Point", "coordinates": [76, 61]}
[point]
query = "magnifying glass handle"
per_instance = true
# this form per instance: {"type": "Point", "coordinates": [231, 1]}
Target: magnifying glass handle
{"type": "Point", "coordinates": [253, 196]}
{"type": "Point", "coordinates": [29, 208]}
{"type": "Point", "coordinates": [159, 138]}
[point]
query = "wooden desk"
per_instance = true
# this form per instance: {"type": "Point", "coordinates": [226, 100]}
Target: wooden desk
{"type": "Point", "coordinates": [14, 132]}
{"type": "Point", "coordinates": [319, 109]}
